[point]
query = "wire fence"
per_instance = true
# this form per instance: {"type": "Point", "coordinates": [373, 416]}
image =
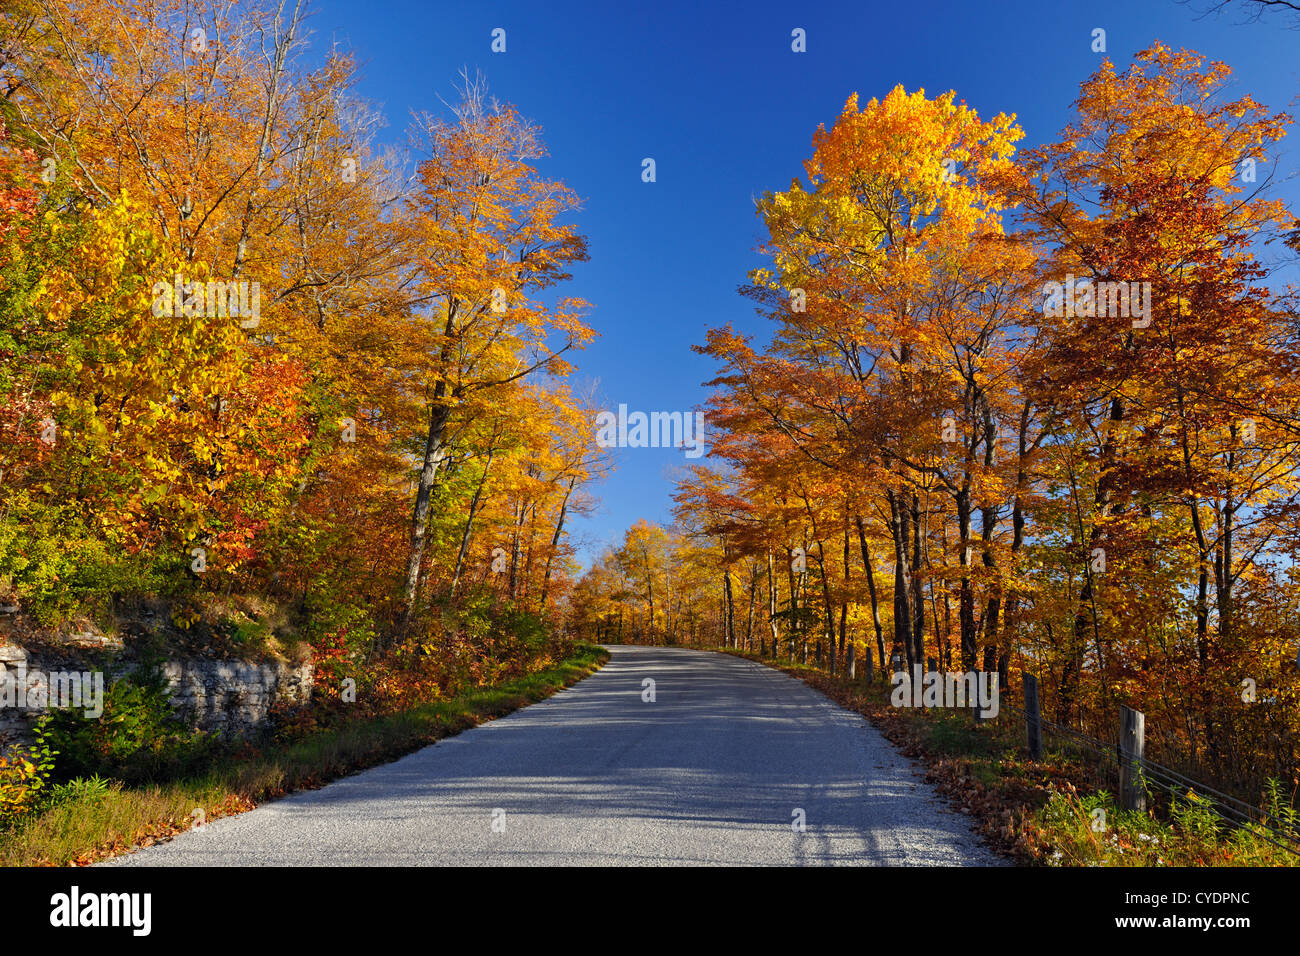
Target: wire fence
{"type": "Point", "coordinates": [1275, 830]}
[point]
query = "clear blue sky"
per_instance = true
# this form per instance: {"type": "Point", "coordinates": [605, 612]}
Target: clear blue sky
{"type": "Point", "coordinates": [713, 92]}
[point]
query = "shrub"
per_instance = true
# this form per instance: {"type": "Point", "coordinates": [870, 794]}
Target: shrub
{"type": "Point", "coordinates": [340, 633]}
{"type": "Point", "coordinates": [137, 738]}
{"type": "Point", "coordinates": [24, 775]}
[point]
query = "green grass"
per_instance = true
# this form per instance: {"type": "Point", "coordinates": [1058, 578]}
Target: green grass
{"type": "Point", "coordinates": [92, 827]}
{"type": "Point", "coordinates": [1090, 830]}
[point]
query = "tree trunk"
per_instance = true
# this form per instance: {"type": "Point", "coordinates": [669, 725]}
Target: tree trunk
{"type": "Point", "coordinates": [918, 598]}
{"type": "Point", "coordinates": [433, 456]}
{"type": "Point", "coordinates": [469, 522]}
{"type": "Point", "coordinates": [772, 604]}
{"type": "Point", "coordinates": [749, 623]}
{"type": "Point", "coordinates": [1084, 619]}
{"type": "Point", "coordinates": [829, 626]}
{"type": "Point", "coordinates": [555, 542]}
{"type": "Point", "coordinates": [871, 588]}
{"type": "Point", "coordinates": [729, 611]}
{"type": "Point", "coordinates": [850, 657]}
{"type": "Point", "coordinates": [902, 579]}
{"type": "Point", "coordinates": [794, 604]}
{"type": "Point", "coordinates": [966, 607]}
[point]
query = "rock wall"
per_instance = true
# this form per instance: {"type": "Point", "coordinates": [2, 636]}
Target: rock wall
{"type": "Point", "coordinates": [230, 697]}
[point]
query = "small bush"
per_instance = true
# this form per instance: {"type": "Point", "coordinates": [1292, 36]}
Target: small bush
{"type": "Point", "coordinates": [24, 776]}
{"type": "Point", "coordinates": [137, 738]}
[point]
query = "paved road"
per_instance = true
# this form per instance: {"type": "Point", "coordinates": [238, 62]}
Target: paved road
{"type": "Point", "coordinates": [711, 772]}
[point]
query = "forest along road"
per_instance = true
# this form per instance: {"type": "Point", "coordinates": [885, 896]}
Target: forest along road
{"type": "Point", "coordinates": [714, 770]}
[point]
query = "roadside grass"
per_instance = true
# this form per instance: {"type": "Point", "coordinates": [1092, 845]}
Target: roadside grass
{"type": "Point", "coordinates": [94, 826]}
{"type": "Point", "coordinates": [1043, 812]}
{"type": "Point", "coordinates": [1193, 835]}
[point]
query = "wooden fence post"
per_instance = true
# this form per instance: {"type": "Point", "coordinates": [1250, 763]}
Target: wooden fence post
{"type": "Point", "coordinates": [1033, 718]}
{"type": "Point", "coordinates": [1132, 738]}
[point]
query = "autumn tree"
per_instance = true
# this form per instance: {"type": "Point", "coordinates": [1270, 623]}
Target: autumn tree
{"type": "Point", "coordinates": [490, 240]}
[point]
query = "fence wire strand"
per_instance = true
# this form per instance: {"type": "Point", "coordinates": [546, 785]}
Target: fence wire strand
{"type": "Point", "coordinates": [1234, 810]}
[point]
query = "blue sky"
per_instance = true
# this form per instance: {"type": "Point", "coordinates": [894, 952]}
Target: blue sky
{"type": "Point", "coordinates": [714, 94]}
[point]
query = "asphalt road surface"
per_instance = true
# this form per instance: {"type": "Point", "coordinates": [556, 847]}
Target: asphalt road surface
{"type": "Point", "coordinates": [721, 767]}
